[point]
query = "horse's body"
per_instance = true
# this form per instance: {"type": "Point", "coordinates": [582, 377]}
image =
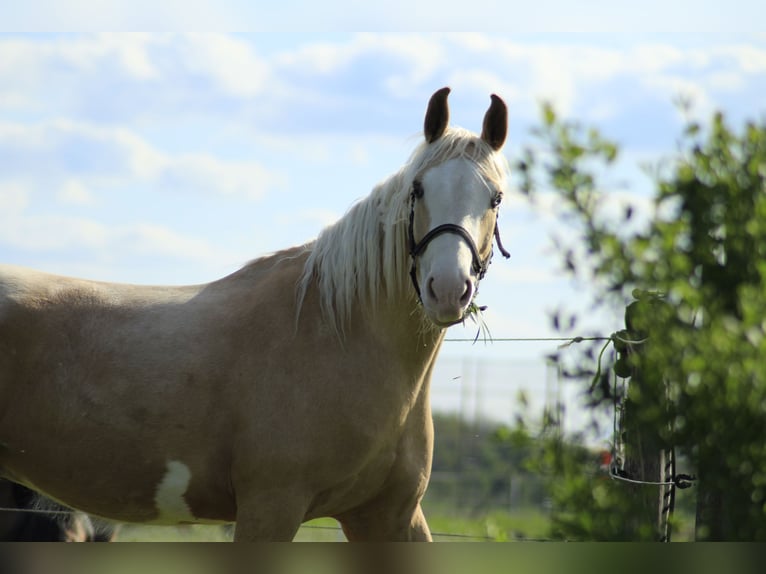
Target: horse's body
{"type": "Point", "coordinates": [168, 399]}
{"type": "Point", "coordinates": [294, 388]}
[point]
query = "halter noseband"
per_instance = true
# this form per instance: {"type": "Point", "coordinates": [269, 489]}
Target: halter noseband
{"type": "Point", "coordinates": [417, 248]}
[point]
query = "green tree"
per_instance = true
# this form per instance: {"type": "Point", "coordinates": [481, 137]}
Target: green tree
{"type": "Point", "coordinates": [703, 252]}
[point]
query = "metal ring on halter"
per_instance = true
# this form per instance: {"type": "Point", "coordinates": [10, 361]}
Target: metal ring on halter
{"type": "Point", "coordinates": [479, 266]}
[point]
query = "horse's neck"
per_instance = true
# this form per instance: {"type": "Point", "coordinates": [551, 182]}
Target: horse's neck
{"type": "Point", "coordinates": [401, 324]}
{"type": "Point", "coordinates": [392, 319]}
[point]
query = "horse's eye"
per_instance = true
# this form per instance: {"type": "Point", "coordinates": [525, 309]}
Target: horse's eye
{"type": "Point", "coordinates": [417, 188]}
{"type": "Point", "coordinates": [496, 200]}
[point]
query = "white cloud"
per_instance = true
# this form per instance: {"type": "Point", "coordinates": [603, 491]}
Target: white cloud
{"type": "Point", "coordinates": [359, 155]}
{"type": "Point", "coordinates": [14, 198]}
{"type": "Point", "coordinates": [74, 191]}
{"type": "Point", "coordinates": [127, 74]}
{"type": "Point", "coordinates": [24, 226]}
{"type": "Point", "coordinates": [749, 58]}
{"type": "Point", "coordinates": [316, 58]}
{"type": "Point", "coordinates": [32, 70]}
{"type": "Point", "coordinates": [653, 58]}
{"type": "Point", "coordinates": [205, 174]}
{"type": "Point", "coordinates": [528, 73]}
{"type": "Point", "coordinates": [320, 218]}
{"type": "Point", "coordinates": [671, 86]}
{"type": "Point", "coordinates": [725, 81]}
{"type": "Point", "coordinates": [333, 83]}
{"type": "Point", "coordinates": [486, 83]}
{"type": "Point", "coordinates": [65, 149]}
{"type": "Point", "coordinates": [230, 63]}
{"type": "Point", "coordinates": [160, 241]}
{"type": "Point", "coordinates": [420, 59]}
{"type": "Point", "coordinates": [599, 82]}
{"type": "Point", "coordinates": [124, 54]}
{"type": "Point", "coordinates": [21, 229]}
{"type": "Point", "coordinates": [418, 55]}
{"type": "Point", "coordinates": [91, 156]}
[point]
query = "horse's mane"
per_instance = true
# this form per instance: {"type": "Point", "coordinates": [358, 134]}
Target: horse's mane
{"type": "Point", "coordinates": [364, 256]}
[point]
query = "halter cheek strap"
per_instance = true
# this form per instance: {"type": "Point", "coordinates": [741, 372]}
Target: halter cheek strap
{"type": "Point", "coordinates": [417, 248]}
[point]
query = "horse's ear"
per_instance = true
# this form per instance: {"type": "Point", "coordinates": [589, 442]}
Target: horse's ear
{"type": "Point", "coordinates": [437, 115]}
{"type": "Point", "coordinates": [495, 126]}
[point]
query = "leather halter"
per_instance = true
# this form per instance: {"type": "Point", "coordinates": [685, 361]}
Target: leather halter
{"type": "Point", "coordinates": [417, 248]}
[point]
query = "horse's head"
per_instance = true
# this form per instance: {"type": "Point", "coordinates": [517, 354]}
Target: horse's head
{"type": "Point", "coordinates": [453, 212]}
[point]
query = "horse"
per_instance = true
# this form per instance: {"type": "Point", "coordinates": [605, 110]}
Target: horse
{"type": "Point", "coordinates": [296, 387]}
{"type": "Point", "coordinates": [27, 517]}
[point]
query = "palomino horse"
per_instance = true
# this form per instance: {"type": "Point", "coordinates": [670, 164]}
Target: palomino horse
{"type": "Point", "coordinates": [295, 388]}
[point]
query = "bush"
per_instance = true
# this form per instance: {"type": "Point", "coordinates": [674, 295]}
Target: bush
{"type": "Point", "coordinates": [703, 253]}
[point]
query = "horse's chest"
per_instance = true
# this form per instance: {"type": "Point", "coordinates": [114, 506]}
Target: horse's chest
{"type": "Point", "coordinates": [354, 489]}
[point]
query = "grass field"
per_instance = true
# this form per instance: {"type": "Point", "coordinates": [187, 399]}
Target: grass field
{"type": "Point", "coordinates": [496, 526]}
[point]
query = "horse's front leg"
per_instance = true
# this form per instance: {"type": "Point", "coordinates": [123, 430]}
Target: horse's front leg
{"type": "Point", "coordinates": [379, 523]}
{"type": "Point", "coordinates": [268, 517]}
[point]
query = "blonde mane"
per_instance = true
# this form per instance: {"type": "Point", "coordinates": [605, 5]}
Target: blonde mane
{"type": "Point", "coordinates": [364, 257]}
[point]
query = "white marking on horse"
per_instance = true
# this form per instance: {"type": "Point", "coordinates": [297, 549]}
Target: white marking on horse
{"type": "Point", "coordinates": [169, 498]}
{"type": "Point", "coordinates": [454, 194]}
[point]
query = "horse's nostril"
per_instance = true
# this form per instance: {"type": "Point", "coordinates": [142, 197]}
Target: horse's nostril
{"type": "Point", "coordinates": [430, 286]}
{"type": "Point", "coordinates": [465, 299]}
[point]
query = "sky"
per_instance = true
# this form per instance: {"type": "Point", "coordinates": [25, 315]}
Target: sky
{"type": "Point", "coordinates": [175, 158]}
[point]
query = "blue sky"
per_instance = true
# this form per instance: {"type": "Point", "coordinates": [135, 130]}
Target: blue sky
{"type": "Point", "coordinates": [553, 16]}
{"type": "Point", "coordinates": [176, 158]}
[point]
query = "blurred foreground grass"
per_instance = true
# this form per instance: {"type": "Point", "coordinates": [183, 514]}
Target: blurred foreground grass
{"type": "Point", "coordinates": [495, 526]}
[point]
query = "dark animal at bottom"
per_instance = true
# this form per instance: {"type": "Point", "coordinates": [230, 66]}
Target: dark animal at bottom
{"type": "Point", "coordinates": [26, 516]}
